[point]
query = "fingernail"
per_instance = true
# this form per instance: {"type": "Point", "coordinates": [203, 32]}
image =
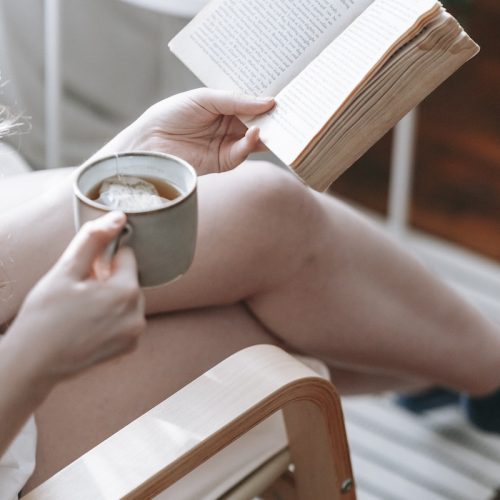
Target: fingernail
{"type": "Point", "coordinates": [252, 130]}
{"type": "Point", "coordinates": [265, 99]}
{"type": "Point", "coordinates": [116, 216]}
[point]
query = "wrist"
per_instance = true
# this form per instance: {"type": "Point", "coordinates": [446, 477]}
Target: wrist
{"type": "Point", "coordinates": [24, 369]}
{"type": "Point", "coordinates": [132, 138]}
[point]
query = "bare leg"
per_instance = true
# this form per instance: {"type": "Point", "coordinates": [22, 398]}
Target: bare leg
{"type": "Point", "coordinates": [36, 224]}
{"type": "Point", "coordinates": [314, 273]}
{"type": "Point", "coordinates": [330, 284]}
{"type": "Point", "coordinates": [176, 349]}
{"type": "Point", "coordinates": [19, 189]}
{"type": "Point", "coordinates": [366, 302]}
{"type": "Point", "coordinates": [102, 401]}
{"type": "Point", "coordinates": [45, 196]}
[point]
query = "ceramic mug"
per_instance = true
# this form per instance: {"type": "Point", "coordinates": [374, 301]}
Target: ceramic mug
{"type": "Point", "coordinates": [163, 238]}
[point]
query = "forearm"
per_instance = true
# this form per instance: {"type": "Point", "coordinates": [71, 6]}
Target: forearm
{"type": "Point", "coordinates": [23, 390]}
{"type": "Point", "coordinates": [32, 235]}
{"type": "Point", "coordinates": [132, 138]}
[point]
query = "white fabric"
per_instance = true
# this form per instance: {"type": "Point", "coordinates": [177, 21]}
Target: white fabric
{"type": "Point", "coordinates": [18, 462]}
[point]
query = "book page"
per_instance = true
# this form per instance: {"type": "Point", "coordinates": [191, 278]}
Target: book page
{"type": "Point", "coordinates": [258, 46]}
{"type": "Point", "coordinates": [308, 103]}
{"type": "Point", "coordinates": [431, 57]}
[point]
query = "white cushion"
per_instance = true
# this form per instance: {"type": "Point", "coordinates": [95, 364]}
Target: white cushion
{"type": "Point", "coordinates": [18, 462]}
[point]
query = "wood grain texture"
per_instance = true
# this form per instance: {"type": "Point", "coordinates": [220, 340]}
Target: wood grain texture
{"type": "Point", "coordinates": [175, 437]}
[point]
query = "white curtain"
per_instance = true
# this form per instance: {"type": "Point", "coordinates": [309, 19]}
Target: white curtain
{"type": "Point", "coordinates": [115, 63]}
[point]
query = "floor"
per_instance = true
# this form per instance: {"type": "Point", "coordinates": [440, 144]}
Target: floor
{"type": "Point", "coordinates": [398, 456]}
{"type": "Point", "coordinates": [457, 180]}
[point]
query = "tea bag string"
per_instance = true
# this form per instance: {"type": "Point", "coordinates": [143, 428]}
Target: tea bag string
{"type": "Point", "coordinates": [117, 170]}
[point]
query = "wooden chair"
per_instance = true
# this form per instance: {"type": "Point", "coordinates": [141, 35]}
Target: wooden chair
{"type": "Point", "coordinates": [155, 451]}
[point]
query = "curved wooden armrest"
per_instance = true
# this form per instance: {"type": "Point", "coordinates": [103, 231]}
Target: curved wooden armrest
{"type": "Point", "coordinates": [166, 443]}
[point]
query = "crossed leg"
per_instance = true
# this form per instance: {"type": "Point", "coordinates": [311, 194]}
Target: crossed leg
{"type": "Point", "coordinates": [311, 270]}
{"type": "Point", "coordinates": [328, 283]}
{"type": "Point", "coordinates": [177, 348]}
{"type": "Point", "coordinates": [311, 273]}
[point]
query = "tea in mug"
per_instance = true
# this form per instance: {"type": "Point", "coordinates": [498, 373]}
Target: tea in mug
{"type": "Point", "coordinates": [131, 193]}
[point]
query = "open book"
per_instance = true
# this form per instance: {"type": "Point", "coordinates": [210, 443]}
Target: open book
{"type": "Point", "coordinates": [343, 71]}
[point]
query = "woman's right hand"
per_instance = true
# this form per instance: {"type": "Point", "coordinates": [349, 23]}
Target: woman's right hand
{"type": "Point", "coordinates": [200, 126]}
{"type": "Point", "coordinates": [73, 319]}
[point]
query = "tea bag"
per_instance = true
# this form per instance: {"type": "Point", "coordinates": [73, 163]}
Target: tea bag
{"type": "Point", "coordinates": [126, 192]}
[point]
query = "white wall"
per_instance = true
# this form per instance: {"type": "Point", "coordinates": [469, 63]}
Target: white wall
{"type": "Point", "coordinates": [115, 64]}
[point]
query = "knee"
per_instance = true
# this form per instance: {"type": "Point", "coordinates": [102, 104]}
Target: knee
{"type": "Point", "coordinates": [274, 194]}
{"type": "Point", "coordinates": [273, 186]}
{"type": "Point", "coordinates": [284, 213]}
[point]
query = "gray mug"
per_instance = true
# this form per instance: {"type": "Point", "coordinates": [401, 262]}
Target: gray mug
{"type": "Point", "coordinates": [163, 238]}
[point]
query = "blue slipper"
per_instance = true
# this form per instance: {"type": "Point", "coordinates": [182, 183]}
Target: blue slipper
{"type": "Point", "coordinates": [483, 412]}
{"type": "Point", "coordinates": [430, 399]}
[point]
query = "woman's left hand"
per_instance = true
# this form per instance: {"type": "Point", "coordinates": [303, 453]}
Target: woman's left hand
{"type": "Point", "coordinates": [200, 126]}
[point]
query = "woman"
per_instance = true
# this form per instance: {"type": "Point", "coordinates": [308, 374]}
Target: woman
{"type": "Point", "coordinates": [275, 263]}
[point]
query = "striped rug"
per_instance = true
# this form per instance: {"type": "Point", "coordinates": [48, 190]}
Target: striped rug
{"type": "Point", "coordinates": [399, 456]}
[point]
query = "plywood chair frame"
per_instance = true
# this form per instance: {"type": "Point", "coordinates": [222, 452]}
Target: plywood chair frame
{"type": "Point", "coordinates": [159, 448]}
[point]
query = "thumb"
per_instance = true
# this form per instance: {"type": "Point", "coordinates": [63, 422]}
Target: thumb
{"type": "Point", "coordinates": [125, 268]}
{"type": "Point", "coordinates": [241, 149]}
{"type": "Point", "coordinates": [222, 102]}
{"type": "Point", "coordinates": [90, 242]}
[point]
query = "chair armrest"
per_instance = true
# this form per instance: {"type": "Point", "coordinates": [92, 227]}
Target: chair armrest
{"type": "Point", "coordinates": [172, 439]}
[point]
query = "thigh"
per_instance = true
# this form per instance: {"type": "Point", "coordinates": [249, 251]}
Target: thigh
{"type": "Point", "coordinates": [249, 240]}
{"type": "Point", "coordinates": [18, 189]}
{"type": "Point", "coordinates": [176, 349]}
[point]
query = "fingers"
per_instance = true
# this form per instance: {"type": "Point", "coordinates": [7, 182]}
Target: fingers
{"type": "Point", "coordinates": [125, 268]}
{"type": "Point", "coordinates": [261, 148]}
{"type": "Point", "coordinates": [125, 279]}
{"type": "Point", "coordinates": [221, 102]}
{"type": "Point", "coordinates": [90, 242]}
{"type": "Point", "coordinates": [241, 149]}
